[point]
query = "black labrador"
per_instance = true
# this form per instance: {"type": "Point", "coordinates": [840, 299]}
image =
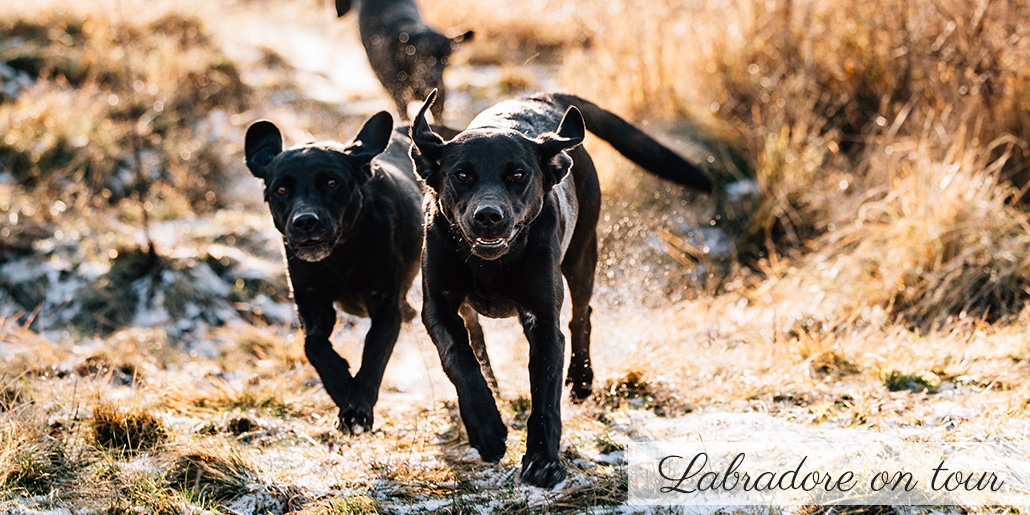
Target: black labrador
{"type": "Point", "coordinates": [407, 55]}
{"type": "Point", "coordinates": [504, 221]}
{"type": "Point", "coordinates": [351, 219]}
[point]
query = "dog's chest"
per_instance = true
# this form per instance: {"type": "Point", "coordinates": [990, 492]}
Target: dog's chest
{"type": "Point", "coordinates": [493, 307]}
{"type": "Point", "coordinates": [489, 295]}
{"type": "Point", "coordinates": [568, 210]}
{"type": "Point", "coordinates": [341, 282]}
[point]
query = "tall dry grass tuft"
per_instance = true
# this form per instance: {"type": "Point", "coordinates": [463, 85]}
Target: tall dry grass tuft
{"type": "Point", "coordinates": [212, 473]}
{"type": "Point", "coordinates": [132, 430]}
{"type": "Point", "coordinates": [887, 137]}
{"type": "Point", "coordinates": [32, 460]}
{"type": "Point", "coordinates": [946, 240]}
{"type": "Point", "coordinates": [859, 79]}
{"type": "Point", "coordinates": [101, 108]}
{"type": "Point", "coordinates": [638, 56]}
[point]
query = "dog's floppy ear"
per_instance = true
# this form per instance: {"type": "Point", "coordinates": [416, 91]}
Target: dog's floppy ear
{"type": "Point", "coordinates": [372, 140]}
{"type": "Point", "coordinates": [342, 7]}
{"type": "Point", "coordinates": [553, 145]}
{"type": "Point", "coordinates": [462, 38]}
{"type": "Point", "coordinates": [263, 143]}
{"type": "Point", "coordinates": [427, 145]}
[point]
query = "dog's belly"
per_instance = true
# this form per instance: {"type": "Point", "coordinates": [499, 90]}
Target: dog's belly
{"type": "Point", "coordinates": [353, 307]}
{"type": "Point", "coordinates": [493, 308]}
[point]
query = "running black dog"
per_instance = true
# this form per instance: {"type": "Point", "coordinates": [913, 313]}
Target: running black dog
{"type": "Point", "coordinates": [504, 221]}
{"type": "Point", "coordinates": [407, 55]}
{"type": "Point", "coordinates": [351, 220]}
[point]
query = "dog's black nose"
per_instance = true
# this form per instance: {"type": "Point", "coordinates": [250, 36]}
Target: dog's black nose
{"type": "Point", "coordinates": [305, 221]}
{"type": "Point", "coordinates": [488, 215]}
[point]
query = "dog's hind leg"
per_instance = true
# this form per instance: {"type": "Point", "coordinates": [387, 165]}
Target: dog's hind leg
{"type": "Point", "coordinates": [579, 273]}
{"type": "Point", "coordinates": [478, 343]}
{"type": "Point", "coordinates": [408, 313]}
{"type": "Point", "coordinates": [578, 267]}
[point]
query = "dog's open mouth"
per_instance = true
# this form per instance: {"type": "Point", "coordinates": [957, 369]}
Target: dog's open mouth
{"type": "Point", "coordinates": [491, 242]}
{"type": "Point", "coordinates": [491, 248]}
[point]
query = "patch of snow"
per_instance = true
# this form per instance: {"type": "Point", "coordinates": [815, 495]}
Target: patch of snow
{"type": "Point", "coordinates": [29, 507]}
{"type": "Point", "coordinates": [13, 81]}
{"type": "Point", "coordinates": [278, 312]}
{"type": "Point", "coordinates": [255, 503]}
{"type": "Point", "coordinates": [742, 190]}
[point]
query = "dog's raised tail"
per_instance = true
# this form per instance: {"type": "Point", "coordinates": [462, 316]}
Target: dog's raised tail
{"type": "Point", "coordinates": [637, 146]}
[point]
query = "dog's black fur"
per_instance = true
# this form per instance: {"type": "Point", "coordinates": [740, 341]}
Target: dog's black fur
{"type": "Point", "coordinates": [504, 221]}
{"type": "Point", "coordinates": [351, 221]}
{"type": "Point", "coordinates": [407, 55]}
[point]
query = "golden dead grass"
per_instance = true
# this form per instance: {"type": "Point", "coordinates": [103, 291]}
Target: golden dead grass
{"type": "Point", "coordinates": [105, 90]}
{"type": "Point", "coordinates": [131, 430]}
{"type": "Point", "coordinates": [511, 33]}
{"type": "Point", "coordinates": [882, 281]}
{"type": "Point", "coordinates": [26, 452]}
{"type": "Point", "coordinates": [883, 136]}
{"type": "Point", "coordinates": [211, 473]}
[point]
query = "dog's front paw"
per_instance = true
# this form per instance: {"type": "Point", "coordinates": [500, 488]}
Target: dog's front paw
{"type": "Point", "coordinates": [488, 437]}
{"type": "Point", "coordinates": [542, 472]}
{"type": "Point", "coordinates": [355, 419]}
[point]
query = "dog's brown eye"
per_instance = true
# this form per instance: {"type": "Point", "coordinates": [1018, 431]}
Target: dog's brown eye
{"type": "Point", "coordinates": [331, 183]}
{"type": "Point", "coordinates": [518, 175]}
{"type": "Point", "coordinates": [462, 176]}
{"type": "Point", "coordinates": [282, 190]}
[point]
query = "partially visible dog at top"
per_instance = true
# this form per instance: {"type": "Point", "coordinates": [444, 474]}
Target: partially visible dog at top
{"type": "Point", "coordinates": [351, 219]}
{"type": "Point", "coordinates": [512, 204]}
{"type": "Point", "coordinates": [407, 55]}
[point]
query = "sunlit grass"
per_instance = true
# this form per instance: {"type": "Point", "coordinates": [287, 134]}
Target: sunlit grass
{"type": "Point", "coordinates": [878, 277]}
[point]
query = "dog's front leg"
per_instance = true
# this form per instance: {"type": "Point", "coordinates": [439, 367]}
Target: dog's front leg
{"type": "Point", "coordinates": [318, 318]}
{"type": "Point", "coordinates": [486, 431]}
{"type": "Point", "coordinates": [379, 343]}
{"type": "Point", "coordinates": [541, 465]}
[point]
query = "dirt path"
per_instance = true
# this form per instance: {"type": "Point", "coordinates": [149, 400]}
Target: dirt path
{"type": "Point", "coordinates": [417, 433]}
{"type": "Point", "coordinates": [669, 366]}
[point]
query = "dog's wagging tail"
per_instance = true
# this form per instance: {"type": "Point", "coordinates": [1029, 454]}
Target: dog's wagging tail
{"type": "Point", "coordinates": [636, 145]}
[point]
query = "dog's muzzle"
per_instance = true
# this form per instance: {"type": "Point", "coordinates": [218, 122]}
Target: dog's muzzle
{"type": "Point", "coordinates": [489, 232]}
{"type": "Point", "coordinates": [310, 236]}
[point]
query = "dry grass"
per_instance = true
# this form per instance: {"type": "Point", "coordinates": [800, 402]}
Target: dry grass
{"type": "Point", "coordinates": [30, 459]}
{"type": "Point", "coordinates": [885, 137]}
{"type": "Point", "coordinates": [355, 504]}
{"type": "Point", "coordinates": [130, 430]}
{"type": "Point", "coordinates": [878, 282]}
{"type": "Point", "coordinates": [517, 33]}
{"type": "Point", "coordinates": [212, 473]}
{"type": "Point", "coordinates": [115, 111]}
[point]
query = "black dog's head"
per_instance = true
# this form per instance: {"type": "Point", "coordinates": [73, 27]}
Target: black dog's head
{"type": "Point", "coordinates": [421, 58]}
{"type": "Point", "coordinates": [490, 184]}
{"type": "Point", "coordinates": [314, 190]}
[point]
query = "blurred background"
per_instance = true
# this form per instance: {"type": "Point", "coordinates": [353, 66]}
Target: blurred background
{"type": "Point", "coordinates": [862, 266]}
